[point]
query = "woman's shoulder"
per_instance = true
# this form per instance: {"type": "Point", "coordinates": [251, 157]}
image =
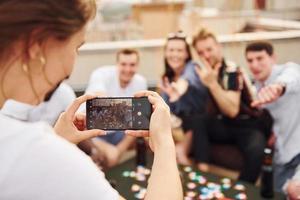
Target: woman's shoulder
{"type": "Point", "coordinates": [32, 151]}
{"type": "Point", "coordinates": [13, 127]}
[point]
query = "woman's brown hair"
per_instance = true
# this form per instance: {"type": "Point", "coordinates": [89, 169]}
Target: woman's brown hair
{"type": "Point", "coordinates": [33, 21]}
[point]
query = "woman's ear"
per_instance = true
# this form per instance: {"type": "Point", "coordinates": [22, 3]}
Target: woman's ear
{"type": "Point", "coordinates": [34, 51]}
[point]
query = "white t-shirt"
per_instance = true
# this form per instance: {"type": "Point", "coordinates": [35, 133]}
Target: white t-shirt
{"type": "Point", "coordinates": [38, 164]}
{"type": "Point", "coordinates": [49, 111]}
{"type": "Point", "coordinates": [106, 79]}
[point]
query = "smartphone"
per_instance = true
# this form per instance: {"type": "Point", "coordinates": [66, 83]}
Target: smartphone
{"type": "Point", "coordinates": [118, 113]}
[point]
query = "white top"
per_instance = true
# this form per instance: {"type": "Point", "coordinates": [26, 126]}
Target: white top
{"type": "Point", "coordinates": [106, 79]}
{"type": "Point", "coordinates": [38, 164]}
{"type": "Point", "coordinates": [286, 111]}
{"type": "Point", "coordinates": [47, 111]}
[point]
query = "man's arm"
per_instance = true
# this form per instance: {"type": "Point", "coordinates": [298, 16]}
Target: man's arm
{"type": "Point", "coordinates": [288, 81]}
{"type": "Point", "coordinates": [228, 101]}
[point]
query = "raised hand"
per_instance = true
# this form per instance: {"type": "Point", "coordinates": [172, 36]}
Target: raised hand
{"type": "Point", "coordinates": [208, 74]}
{"type": "Point", "coordinates": [268, 94]}
{"type": "Point", "coordinates": [175, 89]}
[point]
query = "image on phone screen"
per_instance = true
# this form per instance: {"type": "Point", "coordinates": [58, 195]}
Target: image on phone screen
{"type": "Point", "coordinates": [124, 113]}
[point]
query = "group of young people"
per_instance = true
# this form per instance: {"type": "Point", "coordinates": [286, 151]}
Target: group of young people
{"type": "Point", "coordinates": [218, 102]}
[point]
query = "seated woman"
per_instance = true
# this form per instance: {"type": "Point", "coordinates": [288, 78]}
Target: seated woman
{"type": "Point", "coordinates": [39, 42]}
{"type": "Point", "coordinates": [182, 88]}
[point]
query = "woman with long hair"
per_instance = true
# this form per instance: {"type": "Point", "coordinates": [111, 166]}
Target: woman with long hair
{"type": "Point", "coordinates": [39, 43]}
{"type": "Point", "coordinates": [182, 88]}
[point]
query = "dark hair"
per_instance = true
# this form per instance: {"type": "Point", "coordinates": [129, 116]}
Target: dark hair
{"type": "Point", "coordinates": [169, 73]}
{"type": "Point", "coordinates": [203, 34]}
{"type": "Point", "coordinates": [260, 46]}
{"type": "Point", "coordinates": [128, 52]}
{"type": "Point", "coordinates": [34, 21]}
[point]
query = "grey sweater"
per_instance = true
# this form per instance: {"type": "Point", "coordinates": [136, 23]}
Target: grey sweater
{"type": "Point", "coordinates": [286, 111]}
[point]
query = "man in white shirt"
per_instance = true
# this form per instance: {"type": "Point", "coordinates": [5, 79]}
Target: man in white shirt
{"type": "Point", "coordinates": [279, 91]}
{"type": "Point", "coordinates": [117, 81]}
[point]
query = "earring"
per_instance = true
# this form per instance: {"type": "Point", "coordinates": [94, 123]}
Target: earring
{"type": "Point", "coordinates": [25, 68]}
{"type": "Point", "coordinates": [43, 61]}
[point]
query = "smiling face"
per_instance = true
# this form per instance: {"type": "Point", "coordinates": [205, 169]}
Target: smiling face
{"type": "Point", "coordinates": [260, 63]}
{"type": "Point", "coordinates": [127, 66]}
{"type": "Point", "coordinates": [176, 54]}
{"type": "Point", "coordinates": [210, 50]}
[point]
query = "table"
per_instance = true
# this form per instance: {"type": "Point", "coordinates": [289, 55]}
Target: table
{"type": "Point", "coordinates": [123, 178]}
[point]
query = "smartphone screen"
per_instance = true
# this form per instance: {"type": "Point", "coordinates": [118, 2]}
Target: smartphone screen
{"type": "Point", "coordinates": [122, 113]}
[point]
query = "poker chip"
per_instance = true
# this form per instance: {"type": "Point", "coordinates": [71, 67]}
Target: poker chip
{"type": "Point", "coordinates": [187, 169]}
{"type": "Point", "coordinates": [204, 190]}
{"type": "Point", "coordinates": [135, 188]}
{"type": "Point", "coordinates": [219, 195]}
{"type": "Point", "coordinates": [191, 194]}
{"type": "Point", "coordinates": [192, 176]}
{"type": "Point", "coordinates": [226, 181]}
{"type": "Point", "coordinates": [202, 180]}
{"type": "Point", "coordinates": [206, 196]}
{"type": "Point", "coordinates": [241, 196]}
{"type": "Point", "coordinates": [147, 171]}
{"type": "Point", "coordinates": [140, 177]}
{"type": "Point", "coordinates": [239, 187]}
{"type": "Point", "coordinates": [202, 196]}
{"type": "Point", "coordinates": [226, 186]}
{"type": "Point", "coordinates": [140, 169]}
{"type": "Point", "coordinates": [143, 191]}
{"type": "Point", "coordinates": [213, 186]}
{"type": "Point", "coordinates": [132, 174]}
{"type": "Point", "coordinates": [191, 185]}
{"type": "Point", "coordinates": [139, 196]}
{"type": "Point", "coordinates": [126, 174]}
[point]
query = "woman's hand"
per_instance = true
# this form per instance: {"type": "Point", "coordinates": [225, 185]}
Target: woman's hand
{"type": "Point", "coordinates": [175, 89]}
{"type": "Point", "coordinates": [160, 122]}
{"type": "Point", "coordinates": [72, 126]}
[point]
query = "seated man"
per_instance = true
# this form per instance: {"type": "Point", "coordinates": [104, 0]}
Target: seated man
{"type": "Point", "coordinates": [278, 91]}
{"type": "Point", "coordinates": [229, 118]}
{"type": "Point", "coordinates": [117, 81]}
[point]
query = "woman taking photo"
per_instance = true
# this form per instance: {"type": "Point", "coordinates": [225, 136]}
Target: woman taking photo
{"type": "Point", "coordinates": [39, 42]}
